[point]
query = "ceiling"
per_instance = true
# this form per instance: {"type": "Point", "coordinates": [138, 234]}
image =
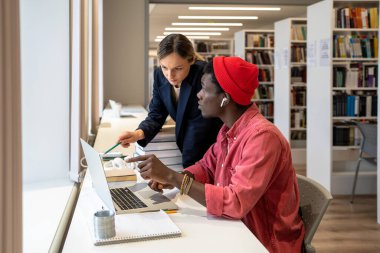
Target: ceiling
{"type": "Point", "coordinates": [162, 15]}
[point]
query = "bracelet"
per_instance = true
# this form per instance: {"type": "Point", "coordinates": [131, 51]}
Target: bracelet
{"type": "Point", "coordinates": [188, 186]}
{"type": "Point", "coordinates": [184, 183]}
{"type": "Point", "coordinates": [187, 181]}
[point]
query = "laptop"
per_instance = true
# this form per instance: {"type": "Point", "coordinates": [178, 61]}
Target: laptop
{"type": "Point", "coordinates": [131, 199]}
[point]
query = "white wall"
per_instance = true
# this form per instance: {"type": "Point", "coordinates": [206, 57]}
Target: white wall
{"type": "Point", "coordinates": [45, 89]}
{"type": "Point", "coordinates": [125, 50]}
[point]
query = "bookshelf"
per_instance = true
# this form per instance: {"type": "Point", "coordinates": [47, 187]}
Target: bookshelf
{"type": "Point", "coordinates": [342, 76]}
{"type": "Point", "coordinates": [290, 78]}
{"type": "Point", "coordinates": [211, 48]}
{"type": "Point", "coordinates": [257, 46]}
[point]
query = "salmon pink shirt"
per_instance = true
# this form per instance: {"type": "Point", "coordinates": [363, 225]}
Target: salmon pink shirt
{"type": "Point", "coordinates": [249, 175]}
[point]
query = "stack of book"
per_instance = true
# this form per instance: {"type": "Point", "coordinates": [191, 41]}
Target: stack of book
{"type": "Point", "coordinates": [165, 148]}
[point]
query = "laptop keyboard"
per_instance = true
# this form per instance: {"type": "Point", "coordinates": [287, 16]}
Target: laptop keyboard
{"type": "Point", "coordinates": [126, 199]}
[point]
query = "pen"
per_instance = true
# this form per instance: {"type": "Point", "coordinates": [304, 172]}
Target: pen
{"type": "Point", "coordinates": [114, 146]}
{"type": "Point", "coordinates": [169, 211]}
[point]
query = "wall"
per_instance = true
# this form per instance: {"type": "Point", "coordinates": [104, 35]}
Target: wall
{"type": "Point", "coordinates": [125, 50]}
{"type": "Point", "coordinates": [45, 89]}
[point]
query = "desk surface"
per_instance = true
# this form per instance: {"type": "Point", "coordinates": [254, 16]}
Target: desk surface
{"type": "Point", "coordinates": [201, 232]}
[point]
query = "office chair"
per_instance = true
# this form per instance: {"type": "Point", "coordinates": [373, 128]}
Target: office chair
{"type": "Point", "coordinates": [368, 148]}
{"type": "Point", "coordinates": [314, 200]}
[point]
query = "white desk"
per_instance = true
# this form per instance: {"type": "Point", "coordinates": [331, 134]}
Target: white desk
{"type": "Point", "coordinates": [201, 232]}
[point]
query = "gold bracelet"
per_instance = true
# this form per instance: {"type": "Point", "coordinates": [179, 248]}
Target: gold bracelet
{"type": "Point", "coordinates": [184, 182]}
{"type": "Point", "coordinates": [188, 186]}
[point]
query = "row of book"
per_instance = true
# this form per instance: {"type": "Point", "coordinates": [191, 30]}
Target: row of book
{"type": "Point", "coordinates": [265, 75]}
{"type": "Point", "coordinates": [355, 46]}
{"type": "Point", "coordinates": [298, 135]}
{"type": "Point", "coordinates": [212, 47]}
{"type": "Point", "coordinates": [298, 119]}
{"type": "Point", "coordinates": [355, 76]}
{"type": "Point", "coordinates": [298, 74]}
{"type": "Point", "coordinates": [354, 105]}
{"type": "Point", "coordinates": [299, 32]}
{"type": "Point", "coordinates": [298, 96]}
{"type": "Point", "coordinates": [264, 92]}
{"type": "Point", "coordinates": [259, 40]}
{"type": "Point", "coordinates": [298, 54]}
{"type": "Point", "coordinates": [164, 147]}
{"type": "Point", "coordinates": [263, 57]}
{"type": "Point", "coordinates": [345, 134]}
{"type": "Point", "coordinates": [266, 108]}
{"type": "Point", "coordinates": [356, 17]}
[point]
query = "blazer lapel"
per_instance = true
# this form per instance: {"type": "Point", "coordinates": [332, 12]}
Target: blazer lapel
{"type": "Point", "coordinates": [166, 91]}
{"type": "Point", "coordinates": [182, 102]}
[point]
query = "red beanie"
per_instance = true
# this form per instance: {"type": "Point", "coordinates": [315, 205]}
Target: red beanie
{"type": "Point", "coordinates": [236, 77]}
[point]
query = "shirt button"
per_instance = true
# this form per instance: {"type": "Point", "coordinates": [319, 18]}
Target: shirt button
{"type": "Point", "coordinates": [235, 138]}
{"type": "Point", "coordinates": [222, 165]}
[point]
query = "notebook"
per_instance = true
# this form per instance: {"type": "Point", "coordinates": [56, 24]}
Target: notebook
{"type": "Point", "coordinates": [140, 227]}
{"type": "Point", "coordinates": [132, 199]}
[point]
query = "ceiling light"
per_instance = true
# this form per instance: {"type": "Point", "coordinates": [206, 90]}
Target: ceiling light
{"type": "Point", "coordinates": [157, 40]}
{"type": "Point", "coordinates": [225, 8]}
{"type": "Point", "coordinates": [197, 29]}
{"type": "Point", "coordinates": [198, 37]}
{"type": "Point", "coordinates": [195, 33]}
{"type": "Point", "coordinates": [217, 17]}
{"type": "Point", "coordinates": [160, 37]}
{"type": "Point", "coordinates": [208, 24]}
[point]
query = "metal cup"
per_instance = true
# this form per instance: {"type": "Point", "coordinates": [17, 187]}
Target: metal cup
{"type": "Point", "coordinates": [104, 224]}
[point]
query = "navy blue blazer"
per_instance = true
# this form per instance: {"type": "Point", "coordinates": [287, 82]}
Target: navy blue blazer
{"type": "Point", "coordinates": [194, 134]}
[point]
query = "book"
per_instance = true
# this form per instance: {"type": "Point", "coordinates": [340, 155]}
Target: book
{"type": "Point", "coordinates": [171, 160]}
{"type": "Point", "coordinates": [158, 146]}
{"type": "Point", "coordinates": [119, 175]}
{"type": "Point", "coordinates": [140, 227]}
{"type": "Point", "coordinates": [165, 134]}
{"type": "Point", "coordinates": [159, 153]}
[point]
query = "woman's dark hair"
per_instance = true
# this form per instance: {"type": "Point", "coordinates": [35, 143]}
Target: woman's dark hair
{"type": "Point", "coordinates": [179, 44]}
{"type": "Point", "coordinates": [209, 69]}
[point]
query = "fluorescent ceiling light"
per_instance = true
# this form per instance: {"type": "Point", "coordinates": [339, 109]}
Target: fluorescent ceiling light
{"type": "Point", "coordinates": [217, 17]}
{"type": "Point", "coordinates": [231, 8]}
{"type": "Point", "coordinates": [196, 33]}
{"type": "Point", "coordinates": [207, 24]}
{"type": "Point", "coordinates": [160, 36]}
{"type": "Point", "coordinates": [200, 37]}
{"type": "Point", "coordinates": [197, 29]}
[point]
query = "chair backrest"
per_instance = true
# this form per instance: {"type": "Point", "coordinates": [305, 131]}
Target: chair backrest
{"type": "Point", "coordinates": [369, 133]}
{"type": "Point", "coordinates": [314, 200]}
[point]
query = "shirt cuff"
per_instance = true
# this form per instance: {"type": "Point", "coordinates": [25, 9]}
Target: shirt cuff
{"type": "Point", "coordinates": [214, 199]}
{"type": "Point", "coordinates": [198, 172]}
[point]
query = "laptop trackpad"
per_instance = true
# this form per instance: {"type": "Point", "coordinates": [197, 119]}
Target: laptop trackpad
{"type": "Point", "coordinates": [155, 197]}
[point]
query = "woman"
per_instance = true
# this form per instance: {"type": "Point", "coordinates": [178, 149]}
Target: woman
{"type": "Point", "coordinates": [175, 88]}
{"type": "Point", "coordinates": [248, 173]}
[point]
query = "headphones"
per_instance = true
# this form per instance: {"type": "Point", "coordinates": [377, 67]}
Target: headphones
{"type": "Point", "coordinates": [225, 100]}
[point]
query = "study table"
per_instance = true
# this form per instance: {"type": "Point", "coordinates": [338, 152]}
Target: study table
{"type": "Point", "coordinates": [201, 232]}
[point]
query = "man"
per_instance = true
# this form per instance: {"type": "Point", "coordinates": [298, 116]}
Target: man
{"type": "Point", "coordinates": [248, 173]}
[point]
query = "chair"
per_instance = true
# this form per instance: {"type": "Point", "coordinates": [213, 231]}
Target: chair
{"type": "Point", "coordinates": [314, 200]}
{"type": "Point", "coordinates": [368, 148]}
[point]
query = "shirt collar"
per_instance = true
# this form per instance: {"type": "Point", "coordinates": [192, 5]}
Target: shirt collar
{"type": "Point", "coordinates": [241, 123]}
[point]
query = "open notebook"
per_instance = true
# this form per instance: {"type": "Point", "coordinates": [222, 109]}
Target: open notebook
{"type": "Point", "coordinates": [139, 227]}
